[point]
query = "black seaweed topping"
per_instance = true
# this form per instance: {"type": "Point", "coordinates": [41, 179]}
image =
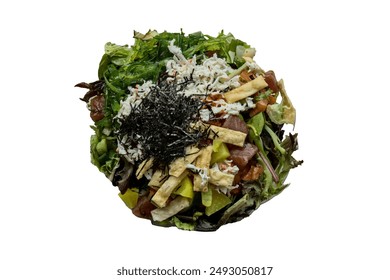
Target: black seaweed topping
{"type": "Point", "coordinates": [163, 123]}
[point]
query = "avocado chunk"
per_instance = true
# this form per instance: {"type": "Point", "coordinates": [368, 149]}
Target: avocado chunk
{"type": "Point", "coordinates": [219, 201]}
{"type": "Point", "coordinates": [130, 198]}
{"type": "Point", "coordinates": [186, 188]}
{"type": "Point", "coordinates": [220, 152]}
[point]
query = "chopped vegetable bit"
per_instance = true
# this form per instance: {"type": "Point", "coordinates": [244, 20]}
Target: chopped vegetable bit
{"type": "Point", "coordinates": [130, 198]}
{"type": "Point", "coordinates": [186, 188]}
{"type": "Point", "coordinates": [220, 151]}
{"type": "Point", "coordinates": [219, 201]}
{"type": "Point", "coordinates": [207, 197]}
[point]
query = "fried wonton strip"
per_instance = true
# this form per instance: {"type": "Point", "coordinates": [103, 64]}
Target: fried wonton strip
{"type": "Point", "coordinates": [220, 179]}
{"type": "Point", "coordinates": [226, 135]}
{"type": "Point", "coordinates": [176, 205]}
{"type": "Point", "coordinates": [245, 90]}
{"type": "Point", "coordinates": [157, 178]}
{"type": "Point", "coordinates": [161, 196]}
{"type": "Point", "coordinates": [203, 162]}
{"type": "Point", "coordinates": [178, 166]}
{"type": "Point", "coordinates": [144, 167]}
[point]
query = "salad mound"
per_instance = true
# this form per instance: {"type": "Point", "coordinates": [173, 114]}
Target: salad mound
{"type": "Point", "coordinates": [190, 128]}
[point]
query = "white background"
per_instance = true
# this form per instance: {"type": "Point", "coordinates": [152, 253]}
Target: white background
{"type": "Point", "coordinates": [61, 218]}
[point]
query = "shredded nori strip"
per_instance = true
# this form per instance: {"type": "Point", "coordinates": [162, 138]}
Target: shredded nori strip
{"type": "Point", "coordinates": [161, 123]}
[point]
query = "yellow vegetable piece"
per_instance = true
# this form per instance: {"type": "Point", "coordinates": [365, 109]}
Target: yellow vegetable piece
{"type": "Point", "coordinates": [219, 201]}
{"type": "Point", "coordinates": [186, 188]}
{"type": "Point", "coordinates": [130, 198]}
{"type": "Point", "coordinates": [221, 153]}
{"type": "Point", "coordinates": [216, 144]}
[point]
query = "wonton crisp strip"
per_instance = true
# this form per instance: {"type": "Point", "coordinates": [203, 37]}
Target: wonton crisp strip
{"type": "Point", "coordinates": [178, 204]}
{"type": "Point", "coordinates": [144, 167]}
{"type": "Point", "coordinates": [227, 135]}
{"type": "Point", "coordinates": [245, 90]}
{"type": "Point", "coordinates": [157, 178]}
{"type": "Point", "coordinates": [161, 196]}
{"type": "Point", "coordinates": [178, 166]}
{"type": "Point", "coordinates": [220, 178]}
{"type": "Point", "coordinates": [203, 162]}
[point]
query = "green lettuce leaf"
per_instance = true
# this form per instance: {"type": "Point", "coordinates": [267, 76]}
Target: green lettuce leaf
{"type": "Point", "coordinates": [285, 164]}
{"type": "Point", "coordinates": [182, 225]}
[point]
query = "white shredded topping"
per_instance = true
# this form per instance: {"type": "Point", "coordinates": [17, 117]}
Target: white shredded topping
{"type": "Point", "coordinates": [204, 115]}
{"type": "Point", "coordinates": [178, 55]}
{"type": "Point", "coordinates": [233, 108]}
{"type": "Point", "coordinates": [148, 174]}
{"type": "Point", "coordinates": [133, 154]}
{"type": "Point", "coordinates": [212, 75]}
{"type": "Point", "coordinates": [202, 172]}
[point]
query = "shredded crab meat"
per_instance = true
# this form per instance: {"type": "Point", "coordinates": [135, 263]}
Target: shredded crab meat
{"type": "Point", "coordinates": [221, 106]}
{"type": "Point", "coordinates": [211, 75]}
